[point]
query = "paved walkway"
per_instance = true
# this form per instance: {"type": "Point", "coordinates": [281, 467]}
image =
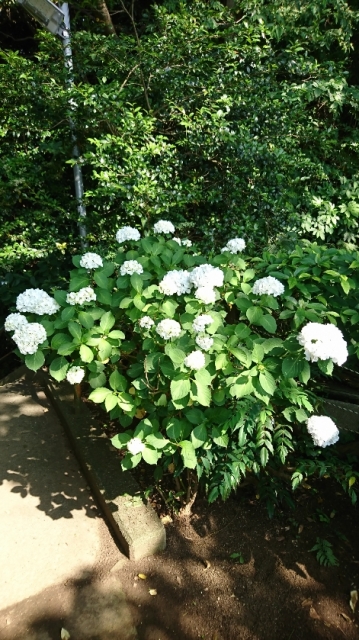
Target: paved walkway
{"type": "Point", "coordinates": [59, 565]}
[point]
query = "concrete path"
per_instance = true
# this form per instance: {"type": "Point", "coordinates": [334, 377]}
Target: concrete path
{"type": "Point", "coordinates": [59, 565]}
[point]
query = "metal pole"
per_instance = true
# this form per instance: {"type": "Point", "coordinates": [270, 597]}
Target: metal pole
{"type": "Point", "coordinates": [79, 186]}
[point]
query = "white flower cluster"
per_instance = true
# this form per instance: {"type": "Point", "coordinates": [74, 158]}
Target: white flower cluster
{"type": "Point", "coordinates": [323, 341]}
{"type": "Point", "coordinates": [195, 360]}
{"type": "Point", "coordinates": [323, 431]}
{"type": "Point", "coordinates": [146, 322]}
{"type": "Point", "coordinates": [127, 233]}
{"type": "Point", "coordinates": [163, 226]}
{"type": "Point", "coordinates": [36, 301]}
{"type": "Point", "coordinates": [75, 375]}
{"type": "Point", "coordinates": [236, 245]}
{"type": "Point", "coordinates": [201, 322]}
{"type": "Point", "coordinates": [206, 295]}
{"type": "Point", "coordinates": [269, 285]}
{"type": "Point", "coordinates": [135, 446]}
{"type": "Point", "coordinates": [27, 337]}
{"type": "Point", "coordinates": [207, 276]}
{"type": "Point", "coordinates": [183, 243]}
{"type": "Point", "coordinates": [91, 261]}
{"type": "Point", "coordinates": [168, 329]}
{"type": "Point", "coordinates": [175, 282]}
{"type": "Point", "coordinates": [204, 342]}
{"type": "Point", "coordinates": [86, 294]}
{"type": "Point", "coordinates": [130, 267]}
{"type": "Point", "coordinates": [14, 321]}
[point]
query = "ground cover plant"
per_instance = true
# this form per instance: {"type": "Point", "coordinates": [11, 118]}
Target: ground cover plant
{"type": "Point", "coordinates": [212, 365]}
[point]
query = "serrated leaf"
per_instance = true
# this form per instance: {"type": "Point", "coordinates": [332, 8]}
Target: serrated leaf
{"type": "Point", "coordinates": [117, 381]}
{"type": "Point", "coordinates": [254, 315]}
{"type": "Point", "coordinates": [268, 323]}
{"type": "Point", "coordinates": [75, 330]}
{"type": "Point", "coordinates": [150, 455]}
{"type": "Point", "coordinates": [202, 394]}
{"type": "Point", "coordinates": [267, 382]}
{"type": "Point", "coordinates": [110, 401]}
{"type": "Point", "coordinates": [137, 283]}
{"type": "Point", "coordinates": [79, 281]}
{"type": "Point", "coordinates": [180, 388]}
{"type": "Point", "coordinates": [86, 319]}
{"type": "Point", "coordinates": [219, 437]}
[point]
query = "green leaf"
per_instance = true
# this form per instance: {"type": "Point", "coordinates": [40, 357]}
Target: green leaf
{"type": "Point", "coordinates": [67, 313]}
{"type": "Point", "coordinates": [242, 387]}
{"type": "Point", "coordinates": [268, 323]}
{"type": "Point", "coordinates": [104, 350]}
{"type": "Point", "coordinates": [116, 335]}
{"type": "Point", "coordinates": [117, 381]}
{"type": "Point", "coordinates": [220, 437]}
{"type": "Point", "coordinates": [326, 366]}
{"type": "Point", "coordinates": [102, 280]}
{"type": "Point", "coordinates": [59, 339]}
{"type": "Point", "coordinates": [66, 349]}
{"type": "Point", "coordinates": [180, 387]}
{"type": "Point", "coordinates": [254, 315]}
{"type": "Point", "coordinates": [267, 382]}
{"type": "Point", "coordinates": [157, 440]}
{"type": "Point", "coordinates": [103, 296]}
{"type": "Point", "coordinates": [137, 282]}
{"type": "Point", "coordinates": [99, 394]}
{"type": "Point", "coordinates": [86, 319]}
{"type": "Point", "coordinates": [176, 355]}
{"type": "Point", "coordinates": [202, 394]}
{"type": "Point", "coordinates": [169, 308]}
{"type": "Point", "coordinates": [35, 360]}
{"type": "Point", "coordinates": [79, 281]}
{"type": "Point", "coordinates": [120, 440]}
{"type": "Point", "coordinates": [221, 361]}
{"type": "Point", "coordinates": [203, 377]}
{"type": "Point", "coordinates": [60, 297]}
{"type": "Point", "coordinates": [86, 353]}
{"type": "Point", "coordinates": [304, 374]}
{"type": "Point", "coordinates": [149, 454]}
{"type": "Point", "coordinates": [195, 416]}
{"type": "Point", "coordinates": [110, 401]}
{"type": "Point", "coordinates": [188, 454]}
{"type": "Point", "coordinates": [75, 330]}
{"type": "Point", "coordinates": [58, 368]}
{"type": "Point", "coordinates": [107, 321]}
{"type": "Point", "coordinates": [257, 353]}
{"type": "Point", "coordinates": [199, 436]}
{"type": "Point", "coordinates": [97, 380]}
{"type": "Point", "coordinates": [291, 367]}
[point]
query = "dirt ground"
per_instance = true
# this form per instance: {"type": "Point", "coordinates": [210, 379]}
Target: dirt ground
{"type": "Point", "coordinates": [279, 591]}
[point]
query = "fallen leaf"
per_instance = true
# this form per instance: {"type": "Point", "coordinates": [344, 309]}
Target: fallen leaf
{"type": "Point", "coordinates": [344, 615]}
{"type": "Point", "coordinates": [166, 519]}
{"type": "Point", "coordinates": [280, 538]}
{"type": "Point", "coordinates": [65, 634]}
{"type": "Point", "coordinates": [313, 614]}
{"type": "Point", "coordinates": [353, 599]}
{"type": "Point", "coordinates": [142, 576]}
{"type": "Point", "coordinates": [171, 467]}
{"type": "Point", "coordinates": [307, 602]}
{"type": "Point", "coordinates": [152, 592]}
{"type": "Point", "coordinates": [300, 528]}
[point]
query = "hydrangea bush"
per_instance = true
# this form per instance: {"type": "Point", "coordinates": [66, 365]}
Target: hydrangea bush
{"type": "Point", "coordinates": [209, 364]}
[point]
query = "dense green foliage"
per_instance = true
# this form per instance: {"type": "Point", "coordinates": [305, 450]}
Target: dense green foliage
{"type": "Point", "coordinates": [244, 411]}
{"type": "Point", "coordinates": [243, 119]}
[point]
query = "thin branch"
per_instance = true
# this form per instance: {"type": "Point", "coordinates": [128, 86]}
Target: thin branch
{"type": "Point", "coordinates": [132, 18]}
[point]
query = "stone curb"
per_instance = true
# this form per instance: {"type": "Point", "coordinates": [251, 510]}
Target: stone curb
{"type": "Point", "coordinates": [134, 524]}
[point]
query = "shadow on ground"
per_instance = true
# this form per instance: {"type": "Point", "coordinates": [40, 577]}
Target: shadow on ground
{"type": "Point", "coordinates": [35, 457]}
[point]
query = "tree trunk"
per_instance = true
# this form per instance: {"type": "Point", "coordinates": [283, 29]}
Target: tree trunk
{"type": "Point", "coordinates": [106, 18]}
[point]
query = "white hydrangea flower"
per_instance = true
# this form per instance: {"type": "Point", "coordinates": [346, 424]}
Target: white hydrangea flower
{"type": "Point", "coordinates": [163, 226]}
{"type": "Point", "coordinates": [269, 285]}
{"type": "Point", "coordinates": [127, 233]}
{"type": "Point", "coordinates": [323, 430]}
{"type": "Point", "coordinates": [146, 322]}
{"type": "Point", "coordinates": [175, 282]}
{"type": "Point", "coordinates": [178, 240]}
{"type": "Point", "coordinates": [204, 342]}
{"type": "Point", "coordinates": [91, 261]}
{"type": "Point", "coordinates": [168, 329]}
{"type": "Point", "coordinates": [36, 301]}
{"type": "Point", "coordinates": [207, 276]}
{"type": "Point", "coordinates": [86, 294]}
{"type": "Point", "coordinates": [14, 321]}
{"type": "Point", "coordinates": [206, 295]}
{"type": "Point", "coordinates": [195, 360]}
{"type": "Point", "coordinates": [236, 245]}
{"type": "Point", "coordinates": [75, 375]}
{"type": "Point", "coordinates": [186, 242]}
{"type": "Point", "coordinates": [323, 341]}
{"type": "Point", "coordinates": [135, 446]}
{"type": "Point", "coordinates": [130, 267]}
{"type": "Point", "coordinates": [28, 337]}
{"type": "Point", "coordinates": [201, 322]}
